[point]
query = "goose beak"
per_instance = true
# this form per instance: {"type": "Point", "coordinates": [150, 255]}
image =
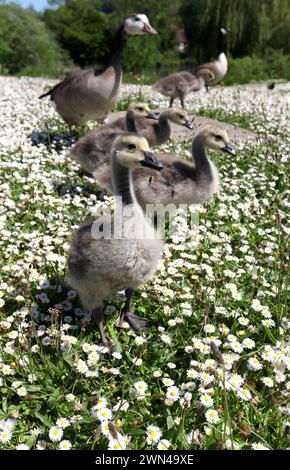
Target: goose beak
{"type": "Point", "coordinates": [151, 161]}
{"type": "Point", "coordinates": [188, 125]}
{"type": "Point", "coordinates": [149, 30]}
{"type": "Point", "coordinates": [152, 115]}
{"type": "Point", "coordinates": [229, 149]}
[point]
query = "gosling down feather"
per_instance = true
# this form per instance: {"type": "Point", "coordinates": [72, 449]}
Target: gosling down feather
{"type": "Point", "coordinates": [180, 182]}
{"type": "Point", "coordinates": [101, 263]}
{"type": "Point", "coordinates": [90, 94]}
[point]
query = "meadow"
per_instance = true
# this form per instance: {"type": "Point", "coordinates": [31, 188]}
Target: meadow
{"type": "Point", "coordinates": [214, 373]}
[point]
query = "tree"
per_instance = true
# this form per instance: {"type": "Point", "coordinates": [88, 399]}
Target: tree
{"type": "Point", "coordinates": [81, 29]}
{"type": "Point", "coordinates": [25, 44]}
{"type": "Point", "coordinates": [254, 25]}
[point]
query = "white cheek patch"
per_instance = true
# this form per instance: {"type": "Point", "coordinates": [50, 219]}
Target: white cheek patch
{"type": "Point", "coordinates": [133, 27]}
{"type": "Point", "coordinates": [143, 17]}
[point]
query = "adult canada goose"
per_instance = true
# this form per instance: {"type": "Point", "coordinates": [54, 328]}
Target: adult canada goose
{"type": "Point", "coordinates": [90, 94]}
{"type": "Point", "coordinates": [94, 148]}
{"type": "Point", "coordinates": [219, 66]}
{"type": "Point", "coordinates": [101, 264]}
{"type": "Point", "coordinates": [178, 85]}
{"type": "Point", "coordinates": [158, 132]}
{"type": "Point", "coordinates": [180, 182]}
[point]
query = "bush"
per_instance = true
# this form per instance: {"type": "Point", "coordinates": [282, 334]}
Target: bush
{"type": "Point", "coordinates": [273, 65]}
{"type": "Point", "coordinates": [80, 29]}
{"type": "Point", "coordinates": [26, 46]}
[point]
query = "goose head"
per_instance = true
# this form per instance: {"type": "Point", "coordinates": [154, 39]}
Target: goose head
{"type": "Point", "coordinates": [141, 110]}
{"type": "Point", "coordinates": [178, 116]}
{"type": "Point", "coordinates": [224, 31]}
{"type": "Point", "coordinates": [133, 151]}
{"type": "Point", "coordinates": [138, 23]}
{"type": "Point", "coordinates": [216, 138]}
{"type": "Point", "coordinates": [207, 75]}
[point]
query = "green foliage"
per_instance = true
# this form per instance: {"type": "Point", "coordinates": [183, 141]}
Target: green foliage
{"type": "Point", "coordinates": [240, 120]}
{"type": "Point", "coordinates": [254, 25]}
{"type": "Point", "coordinates": [273, 65]}
{"type": "Point", "coordinates": [85, 28]}
{"type": "Point", "coordinates": [25, 45]}
{"type": "Point", "coordinates": [80, 29]}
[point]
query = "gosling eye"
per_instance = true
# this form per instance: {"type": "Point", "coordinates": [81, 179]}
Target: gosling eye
{"type": "Point", "coordinates": [140, 109]}
{"type": "Point", "coordinates": [131, 146]}
{"type": "Point", "coordinates": [218, 137]}
{"type": "Point", "coordinates": [180, 116]}
{"type": "Point", "coordinates": [137, 18]}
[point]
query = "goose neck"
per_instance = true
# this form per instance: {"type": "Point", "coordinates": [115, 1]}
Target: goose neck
{"type": "Point", "coordinates": [130, 122]}
{"type": "Point", "coordinates": [122, 183]}
{"type": "Point", "coordinates": [199, 156]}
{"type": "Point", "coordinates": [114, 54]}
{"type": "Point", "coordinates": [163, 126]}
{"type": "Point", "coordinates": [221, 43]}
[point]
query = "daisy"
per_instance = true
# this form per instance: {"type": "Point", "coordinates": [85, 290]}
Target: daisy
{"type": "Point", "coordinates": [268, 382]}
{"type": "Point", "coordinates": [259, 446]}
{"type": "Point", "coordinates": [153, 434]}
{"type": "Point", "coordinates": [62, 423]}
{"type": "Point", "coordinates": [104, 414]}
{"type": "Point", "coordinates": [5, 436]}
{"type": "Point", "coordinates": [164, 445]}
{"type": "Point", "coordinates": [22, 447]}
{"type": "Point", "coordinates": [55, 433]}
{"type": "Point", "coordinates": [65, 445]}
{"type": "Point", "coordinates": [212, 416]}
{"type": "Point", "coordinates": [70, 397]}
{"type": "Point", "coordinates": [173, 393]}
{"type": "Point", "coordinates": [41, 445]}
{"type": "Point", "coordinates": [206, 400]}
{"type": "Point", "coordinates": [167, 381]}
{"type": "Point", "coordinates": [21, 391]}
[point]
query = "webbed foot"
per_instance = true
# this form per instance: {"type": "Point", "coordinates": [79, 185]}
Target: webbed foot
{"type": "Point", "coordinates": [138, 323]}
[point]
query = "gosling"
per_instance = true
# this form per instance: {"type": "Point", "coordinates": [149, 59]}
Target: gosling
{"type": "Point", "coordinates": [94, 148]}
{"type": "Point", "coordinates": [101, 264]}
{"type": "Point", "coordinates": [180, 182]}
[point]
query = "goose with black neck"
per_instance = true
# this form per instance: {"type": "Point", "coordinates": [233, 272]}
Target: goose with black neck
{"type": "Point", "coordinates": [86, 95]}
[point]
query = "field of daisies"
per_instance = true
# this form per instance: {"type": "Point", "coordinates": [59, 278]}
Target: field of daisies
{"type": "Point", "coordinates": [214, 373]}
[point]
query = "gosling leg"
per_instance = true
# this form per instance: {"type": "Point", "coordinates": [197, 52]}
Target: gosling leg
{"type": "Point", "coordinates": [171, 102]}
{"type": "Point", "coordinates": [98, 317]}
{"type": "Point", "coordinates": [136, 323]}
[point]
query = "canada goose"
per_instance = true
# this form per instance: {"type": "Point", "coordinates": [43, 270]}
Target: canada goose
{"type": "Point", "coordinates": [90, 94]}
{"type": "Point", "coordinates": [101, 265]}
{"type": "Point", "coordinates": [178, 85]}
{"type": "Point", "coordinates": [180, 182]}
{"type": "Point", "coordinates": [219, 66]}
{"type": "Point", "coordinates": [158, 132]}
{"type": "Point", "coordinates": [94, 148]}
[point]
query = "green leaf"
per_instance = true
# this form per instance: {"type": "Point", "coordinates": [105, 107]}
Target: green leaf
{"type": "Point", "coordinates": [46, 421]}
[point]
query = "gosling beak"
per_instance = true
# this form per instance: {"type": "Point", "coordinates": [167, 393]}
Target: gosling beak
{"type": "Point", "coordinates": [152, 115]}
{"type": "Point", "coordinates": [149, 30]}
{"type": "Point", "coordinates": [188, 125]}
{"type": "Point", "coordinates": [151, 161]}
{"type": "Point", "coordinates": [229, 149]}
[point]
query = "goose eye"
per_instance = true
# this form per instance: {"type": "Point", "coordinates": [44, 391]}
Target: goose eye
{"type": "Point", "coordinates": [218, 137]}
{"type": "Point", "coordinates": [137, 19]}
{"type": "Point", "coordinates": [131, 146]}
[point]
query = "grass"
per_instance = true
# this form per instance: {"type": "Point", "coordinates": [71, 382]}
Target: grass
{"type": "Point", "coordinates": [239, 120]}
{"type": "Point", "coordinates": [221, 309]}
